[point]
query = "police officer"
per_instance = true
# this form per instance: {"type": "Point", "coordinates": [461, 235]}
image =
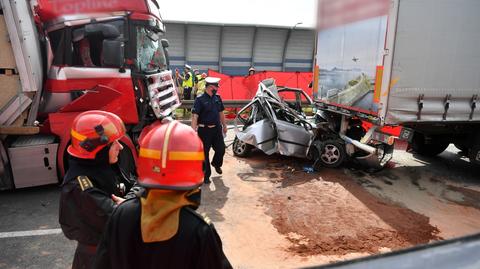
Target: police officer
{"type": "Point", "coordinates": [208, 119]}
{"type": "Point", "coordinates": [160, 228]}
{"type": "Point", "coordinates": [188, 81]}
{"type": "Point", "coordinates": [91, 187]}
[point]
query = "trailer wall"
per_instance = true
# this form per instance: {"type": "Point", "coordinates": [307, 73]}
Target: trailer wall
{"type": "Point", "coordinates": [435, 72]}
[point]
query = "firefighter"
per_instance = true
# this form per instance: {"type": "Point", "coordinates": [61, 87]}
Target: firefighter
{"type": "Point", "coordinates": [187, 82]}
{"type": "Point", "coordinates": [209, 121]}
{"type": "Point", "coordinates": [160, 228]}
{"type": "Point", "coordinates": [91, 188]}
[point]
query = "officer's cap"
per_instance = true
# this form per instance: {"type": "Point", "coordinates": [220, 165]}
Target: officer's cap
{"type": "Point", "coordinates": [188, 67]}
{"type": "Point", "coordinates": [212, 81]}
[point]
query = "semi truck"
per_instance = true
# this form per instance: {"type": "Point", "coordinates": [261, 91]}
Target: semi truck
{"type": "Point", "coordinates": [408, 63]}
{"type": "Point", "coordinates": [60, 58]}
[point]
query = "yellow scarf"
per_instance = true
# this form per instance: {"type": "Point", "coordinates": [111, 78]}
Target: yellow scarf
{"type": "Point", "coordinates": [161, 213]}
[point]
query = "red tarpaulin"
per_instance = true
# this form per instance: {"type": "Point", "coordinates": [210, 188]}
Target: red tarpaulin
{"type": "Point", "coordinates": [245, 87]}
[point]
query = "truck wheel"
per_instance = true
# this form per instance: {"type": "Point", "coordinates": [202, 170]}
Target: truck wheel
{"type": "Point", "coordinates": [474, 155]}
{"type": "Point", "coordinates": [433, 148]}
{"type": "Point", "coordinates": [331, 153]}
{"type": "Point", "coordinates": [241, 149]}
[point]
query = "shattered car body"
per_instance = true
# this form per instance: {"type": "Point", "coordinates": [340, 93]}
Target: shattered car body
{"type": "Point", "coordinates": [274, 124]}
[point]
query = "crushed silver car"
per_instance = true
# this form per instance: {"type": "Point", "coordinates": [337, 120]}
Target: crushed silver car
{"type": "Point", "coordinates": [274, 122]}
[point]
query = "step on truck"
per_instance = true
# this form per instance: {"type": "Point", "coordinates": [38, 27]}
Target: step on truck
{"type": "Point", "coordinates": [60, 58]}
{"type": "Point", "coordinates": [408, 63]}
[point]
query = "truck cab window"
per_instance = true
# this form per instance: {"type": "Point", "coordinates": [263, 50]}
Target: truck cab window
{"type": "Point", "coordinates": [150, 53]}
{"type": "Point", "coordinates": [83, 46]}
{"type": "Point", "coordinates": [58, 42]}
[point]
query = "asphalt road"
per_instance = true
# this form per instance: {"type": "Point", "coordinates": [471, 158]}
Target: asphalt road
{"type": "Point", "coordinates": [36, 209]}
{"type": "Point", "coordinates": [33, 209]}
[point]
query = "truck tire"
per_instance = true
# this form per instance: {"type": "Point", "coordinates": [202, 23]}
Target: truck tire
{"type": "Point", "coordinates": [433, 148]}
{"type": "Point", "coordinates": [241, 149]}
{"type": "Point", "coordinates": [331, 153]}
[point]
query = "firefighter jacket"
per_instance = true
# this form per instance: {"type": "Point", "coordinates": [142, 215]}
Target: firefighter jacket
{"type": "Point", "coordinates": [196, 243]}
{"type": "Point", "coordinates": [85, 200]}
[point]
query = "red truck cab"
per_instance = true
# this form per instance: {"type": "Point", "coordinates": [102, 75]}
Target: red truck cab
{"type": "Point", "coordinates": [107, 55]}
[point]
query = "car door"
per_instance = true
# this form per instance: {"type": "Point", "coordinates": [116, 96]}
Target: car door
{"type": "Point", "coordinates": [292, 136]}
{"type": "Point", "coordinates": [259, 130]}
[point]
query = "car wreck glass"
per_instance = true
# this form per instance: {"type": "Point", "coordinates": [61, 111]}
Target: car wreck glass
{"type": "Point", "coordinates": [150, 53]}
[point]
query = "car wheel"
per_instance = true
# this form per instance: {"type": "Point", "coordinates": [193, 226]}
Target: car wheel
{"type": "Point", "coordinates": [331, 153]}
{"type": "Point", "coordinates": [241, 149]}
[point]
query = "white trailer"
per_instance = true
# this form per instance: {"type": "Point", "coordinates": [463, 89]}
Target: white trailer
{"type": "Point", "coordinates": [414, 63]}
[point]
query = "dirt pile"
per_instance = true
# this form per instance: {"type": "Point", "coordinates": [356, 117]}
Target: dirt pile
{"type": "Point", "coordinates": [336, 216]}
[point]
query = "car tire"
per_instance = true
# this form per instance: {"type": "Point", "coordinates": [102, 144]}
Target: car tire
{"type": "Point", "coordinates": [241, 149]}
{"type": "Point", "coordinates": [331, 153]}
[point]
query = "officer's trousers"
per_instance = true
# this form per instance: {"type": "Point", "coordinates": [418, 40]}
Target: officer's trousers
{"type": "Point", "coordinates": [212, 138]}
{"type": "Point", "coordinates": [187, 93]}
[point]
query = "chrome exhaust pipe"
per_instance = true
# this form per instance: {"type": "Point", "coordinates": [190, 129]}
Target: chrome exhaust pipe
{"type": "Point", "coordinates": [359, 144]}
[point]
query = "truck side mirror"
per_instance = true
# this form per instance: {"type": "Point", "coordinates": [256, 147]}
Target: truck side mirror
{"type": "Point", "coordinates": [165, 43]}
{"type": "Point", "coordinates": [113, 53]}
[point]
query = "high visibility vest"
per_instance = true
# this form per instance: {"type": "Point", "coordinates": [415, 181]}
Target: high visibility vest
{"type": "Point", "coordinates": [188, 83]}
{"type": "Point", "coordinates": [201, 85]}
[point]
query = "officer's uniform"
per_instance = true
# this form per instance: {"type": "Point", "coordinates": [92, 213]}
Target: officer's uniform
{"type": "Point", "coordinates": [210, 129]}
{"type": "Point", "coordinates": [187, 84]}
{"type": "Point", "coordinates": [86, 204]}
{"type": "Point", "coordinates": [195, 245]}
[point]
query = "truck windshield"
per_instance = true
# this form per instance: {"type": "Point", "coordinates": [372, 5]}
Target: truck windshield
{"type": "Point", "coordinates": [150, 53]}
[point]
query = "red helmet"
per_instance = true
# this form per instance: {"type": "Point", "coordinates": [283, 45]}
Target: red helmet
{"type": "Point", "coordinates": [93, 130]}
{"type": "Point", "coordinates": [170, 157]}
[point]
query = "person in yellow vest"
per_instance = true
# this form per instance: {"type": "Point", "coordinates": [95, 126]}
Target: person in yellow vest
{"type": "Point", "coordinates": [201, 84]}
{"type": "Point", "coordinates": [187, 82]}
{"type": "Point", "coordinates": [196, 72]}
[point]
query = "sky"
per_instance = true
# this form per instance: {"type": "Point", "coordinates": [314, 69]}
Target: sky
{"type": "Point", "coordinates": [259, 12]}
